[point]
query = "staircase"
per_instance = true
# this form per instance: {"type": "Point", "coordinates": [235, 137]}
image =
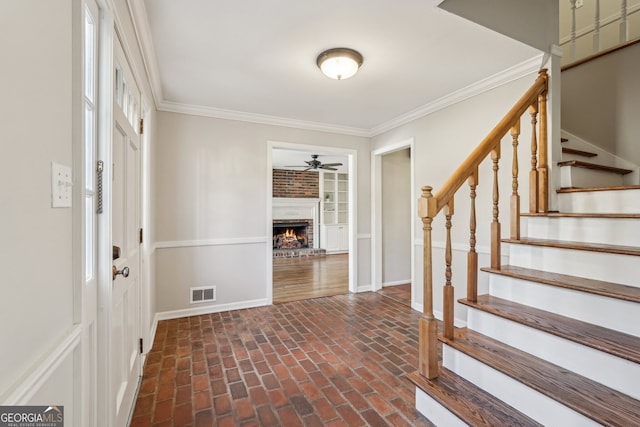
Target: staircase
{"type": "Point", "coordinates": [556, 341]}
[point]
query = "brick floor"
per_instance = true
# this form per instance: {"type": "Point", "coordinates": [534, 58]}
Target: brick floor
{"type": "Point", "coordinates": [334, 361]}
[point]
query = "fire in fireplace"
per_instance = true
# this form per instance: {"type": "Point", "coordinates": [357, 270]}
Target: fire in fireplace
{"type": "Point", "coordinates": [290, 235]}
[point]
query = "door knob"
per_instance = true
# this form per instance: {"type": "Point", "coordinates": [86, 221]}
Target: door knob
{"type": "Point", "coordinates": [115, 272]}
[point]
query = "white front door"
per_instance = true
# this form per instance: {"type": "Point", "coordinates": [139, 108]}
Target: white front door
{"type": "Point", "coordinates": [124, 322]}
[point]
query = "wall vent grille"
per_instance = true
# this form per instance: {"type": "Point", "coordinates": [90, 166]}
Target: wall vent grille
{"type": "Point", "coordinates": [202, 294]}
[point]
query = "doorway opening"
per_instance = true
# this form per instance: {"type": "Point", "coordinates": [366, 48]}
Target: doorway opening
{"type": "Point", "coordinates": [394, 222]}
{"type": "Point", "coordinates": [311, 212]}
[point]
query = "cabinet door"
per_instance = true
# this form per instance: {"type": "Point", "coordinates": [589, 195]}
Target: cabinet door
{"type": "Point", "coordinates": [332, 238]}
{"type": "Point", "coordinates": [343, 236]}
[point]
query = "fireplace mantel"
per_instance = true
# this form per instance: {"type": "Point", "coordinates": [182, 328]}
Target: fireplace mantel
{"type": "Point", "coordinates": [295, 208]}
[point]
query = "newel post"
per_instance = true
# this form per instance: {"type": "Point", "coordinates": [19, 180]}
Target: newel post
{"type": "Point", "coordinates": [543, 163]}
{"type": "Point", "coordinates": [428, 326]}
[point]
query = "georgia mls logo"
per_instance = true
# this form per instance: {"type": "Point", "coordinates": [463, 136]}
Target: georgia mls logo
{"type": "Point", "coordinates": [31, 416]}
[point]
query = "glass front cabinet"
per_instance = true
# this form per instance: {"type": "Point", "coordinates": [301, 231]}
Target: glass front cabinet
{"type": "Point", "coordinates": [335, 212]}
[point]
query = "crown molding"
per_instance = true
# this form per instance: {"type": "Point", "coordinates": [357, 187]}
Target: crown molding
{"type": "Point", "coordinates": [517, 71]}
{"type": "Point", "coordinates": [510, 74]}
{"type": "Point", "coordinates": [220, 113]}
{"type": "Point", "coordinates": [145, 41]}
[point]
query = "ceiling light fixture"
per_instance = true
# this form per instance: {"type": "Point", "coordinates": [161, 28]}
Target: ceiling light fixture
{"type": "Point", "coordinates": [339, 63]}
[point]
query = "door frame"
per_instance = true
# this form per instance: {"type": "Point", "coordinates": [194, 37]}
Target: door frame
{"type": "Point", "coordinates": [103, 152]}
{"type": "Point", "coordinates": [351, 155]}
{"type": "Point", "coordinates": [376, 211]}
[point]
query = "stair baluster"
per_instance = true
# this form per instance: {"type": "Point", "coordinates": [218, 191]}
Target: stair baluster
{"type": "Point", "coordinates": [533, 174]}
{"type": "Point", "coordinates": [515, 197]}
{"type": "Point", "coordinates": [448, 296]}
{"type": "Point", "coordinates": [495, 225]}
{"type": "Point", "coordinates": [472, 256]}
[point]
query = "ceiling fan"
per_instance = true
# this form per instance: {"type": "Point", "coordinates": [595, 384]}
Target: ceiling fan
{"type": "Point", "coordinates": [314, 163]}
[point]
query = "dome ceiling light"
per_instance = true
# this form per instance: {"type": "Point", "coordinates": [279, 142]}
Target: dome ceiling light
{"type": "Point", "coordinates": [339, 63]}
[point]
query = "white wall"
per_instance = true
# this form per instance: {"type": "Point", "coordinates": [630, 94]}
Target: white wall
{"type": "Point", "coordinates": [211, 206]}
{"type": "Point", "coordinates": [37, 301]}
{"type": "Point", "coordinates": [441, 142]}
{"type": "Point", "coordinates": [396, 217]}
{"type": "Point", "coordinates": [601, 100]}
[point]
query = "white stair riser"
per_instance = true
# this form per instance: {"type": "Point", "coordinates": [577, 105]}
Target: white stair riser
{"type": "Point", "coordinates": [610, 313]}
{"type": "Point", "coordinates": [627, 201]}
{"type": "Point", "coordinates": [526, 400]}
{"type": "Point", "coordinates": [435, 412]}
{"type": "Point", "coordinates": [614, 372]}
{"type": "Point", "coordinates": [611, 231]}
{"type": "Point", "coordinates": [616, 268]}
{"type": "Point", "coordinates": [571, 176]}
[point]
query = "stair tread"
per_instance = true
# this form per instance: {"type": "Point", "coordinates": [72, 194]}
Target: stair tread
{"type": "Point", "coordinates": [598, 287]}
{"type": "Point", "coordinates": [568, 150]}
{"type": "Point", "coordinates": [589, 398]}
{"type": "Point", "coordinates": [583, 246]}
{"type": "Point", "coordinates": [595, 166]}
{"type": "Point", "coordinates": [471, 404]}
{"type": "Point", "coordinates": [589, 189]}
{"type": "Point", "coordinates": [616, 343]}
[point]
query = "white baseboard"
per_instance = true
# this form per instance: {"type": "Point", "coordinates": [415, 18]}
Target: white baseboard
{"type": "Point", "coordinates": [364, 288]}
{"type": "Point", "coordinates": [209, 309]}
{"type": "Point", "coordinates": [397, 282]}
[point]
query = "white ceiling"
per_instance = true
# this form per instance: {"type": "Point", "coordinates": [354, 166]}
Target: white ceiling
{"type": "Point", "coordinates": [255, 60]}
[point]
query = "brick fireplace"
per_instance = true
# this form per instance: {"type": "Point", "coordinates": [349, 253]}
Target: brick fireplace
{"type": "Point", "coordinates": [295, 226]}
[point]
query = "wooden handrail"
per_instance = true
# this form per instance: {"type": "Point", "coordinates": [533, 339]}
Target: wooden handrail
{"type": "Point", "coordinates": [429, 205]}
{"type": "Point", "coordinates": [488, 144]}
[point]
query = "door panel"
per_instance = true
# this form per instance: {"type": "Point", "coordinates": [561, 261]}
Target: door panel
{"type": "Point", "coordinates": [125, 296]}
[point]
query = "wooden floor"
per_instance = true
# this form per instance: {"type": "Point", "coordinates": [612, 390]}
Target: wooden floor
{"type": "Point", "coordinates": [310, 277]}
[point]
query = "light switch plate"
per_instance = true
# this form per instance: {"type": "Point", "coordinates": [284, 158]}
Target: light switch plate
{"type": "Point", "coordinates": [60, 186]}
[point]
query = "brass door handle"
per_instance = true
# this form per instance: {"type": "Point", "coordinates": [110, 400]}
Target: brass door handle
{"type": "Point", "coordinates": [115, 272]}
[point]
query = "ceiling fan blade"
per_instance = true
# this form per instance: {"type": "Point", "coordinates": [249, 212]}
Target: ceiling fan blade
{"type": "Point", "coordinates": [325, 167]}
{"type": "Point", "coordinates": [332, 164]}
